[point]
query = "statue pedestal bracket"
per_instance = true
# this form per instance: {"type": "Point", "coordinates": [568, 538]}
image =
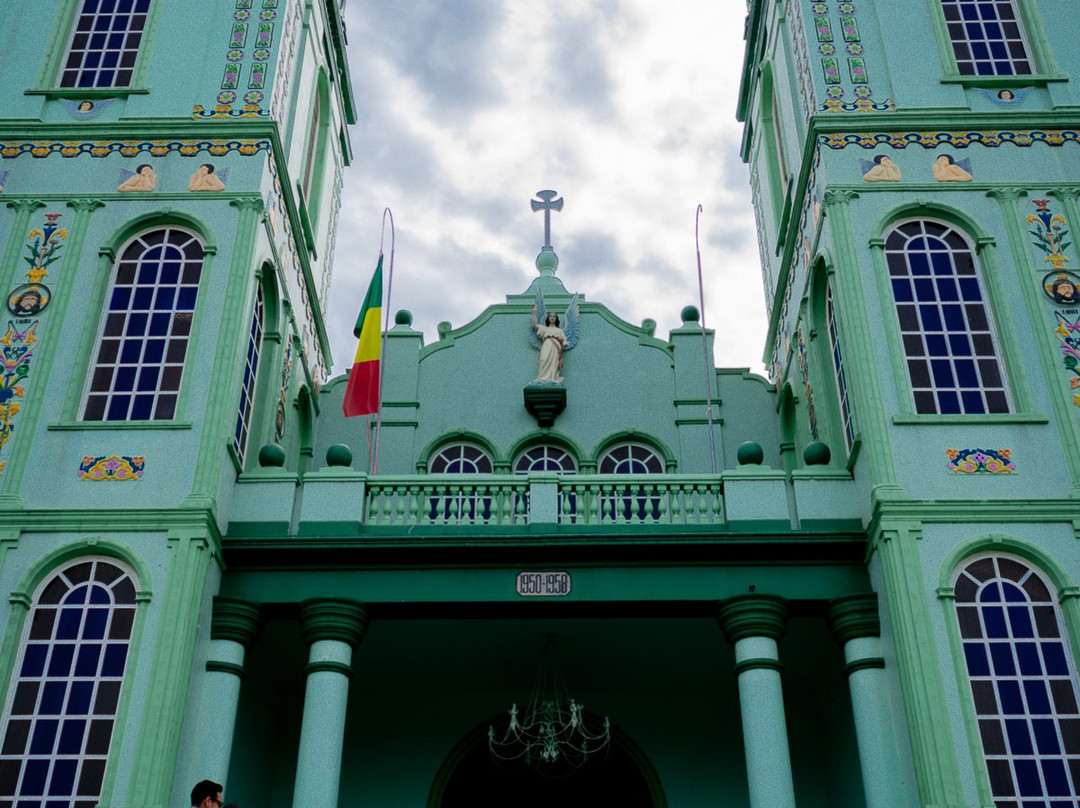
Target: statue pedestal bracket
{"type": "Point", "coordinates": [544, 402]}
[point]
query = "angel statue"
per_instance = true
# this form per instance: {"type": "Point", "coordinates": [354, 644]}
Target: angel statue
{"type": "Point", "coordinates": [551, 339]}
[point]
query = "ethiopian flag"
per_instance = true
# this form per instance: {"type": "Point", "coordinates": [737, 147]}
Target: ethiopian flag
{"type": "Point", "coordinates": [362, 393]}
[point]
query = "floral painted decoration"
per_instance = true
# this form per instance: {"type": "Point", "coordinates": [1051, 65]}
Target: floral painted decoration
{"type": "Point", "coordinates": [112, 468]}
{"type": "Point", "coordinates": [980, 461]}
{"type": "Point", "coordinates": [1049, 233]}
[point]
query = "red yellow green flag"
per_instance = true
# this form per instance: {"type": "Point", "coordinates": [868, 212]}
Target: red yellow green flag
{"type": "Point", "coordinates": [362, 392]}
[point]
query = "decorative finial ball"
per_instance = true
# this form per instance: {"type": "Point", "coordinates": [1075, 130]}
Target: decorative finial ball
{"type": "Point", "coordinates": [339, 455]}
{"type": "Point", "coordinates": [271, 456]}
{"type": "Point", "coordinates": [403, 317]}
{"type": "Point", "coordinates": [547, 260]}
{"type": "Point", "coordinates": [690, 314]}
{"type": "Point", "coordinates": [750, 454]}
{"type": "Point", "coordinates": [817, 454]}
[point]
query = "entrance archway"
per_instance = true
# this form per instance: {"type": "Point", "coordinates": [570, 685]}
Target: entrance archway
{"type": "Point", "coordinates": [471, 778]}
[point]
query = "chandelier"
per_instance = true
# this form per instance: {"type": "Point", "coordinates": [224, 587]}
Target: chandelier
{"type": "Point", "coordinates": [551, 736]}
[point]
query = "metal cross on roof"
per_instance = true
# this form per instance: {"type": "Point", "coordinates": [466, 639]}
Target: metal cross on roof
{"type": "Point", "coordinates": [549, 204]}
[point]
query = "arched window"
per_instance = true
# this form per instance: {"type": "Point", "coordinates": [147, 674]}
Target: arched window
{"type": "Point", "coordinates": [463, 503]}
{"type": "Point", "coordinates": [460, 458]}
{"type": "Point", "coordinates": [949, 341]}
{"type": "Point", "coordinates": [1023, 682]}
{"type": "Point", "coordinates": [545, 458]}
{"type": "Point", "coordinates": [251, 376]}
{"type": "Point", "coordinates": [630, 458]}
{"type": "Point", "coordinates": [550, 458]}
{"type": "Point", "coordinates": [838, 370]}
{"type": "Point", "coordinates": [62, 699]}
{"type": "Point", "coordinates": [987, 37]}
{"type": "Point", "coordinates": [104, 43]}
{"type": "Point", "coordinates": [630, 503]}
{"type": "Point", "coordinates": [145, 328]}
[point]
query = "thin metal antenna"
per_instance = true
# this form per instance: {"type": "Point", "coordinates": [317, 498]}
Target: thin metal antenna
{"type": "Point", "coordinates": [386, 327]}
{"type": "Point", "coordinates": [705, 343]}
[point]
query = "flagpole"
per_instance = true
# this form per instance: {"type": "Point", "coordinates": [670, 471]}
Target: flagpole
{"type": "Point", "coordinates": [705, 343]}
{"type": "Point", "coordinates": [386, 327]}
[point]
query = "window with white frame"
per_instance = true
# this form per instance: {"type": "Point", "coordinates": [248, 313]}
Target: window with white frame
{"type": "Point", "coordinates": [64, 691]}
{"type": "Point", "coordinates": [465, 503]}
{"type": "Point", "coordinates": [838, 370]}
{"type": "Point", "coordinates": [251, 377]}
{"type": "Point", "coordinates": [549, 458]}
{"type": "Point", "coordinates": [104, 44]}
{"type": "Point", "coordinates": [545, 458]}
{"type": "Point", "coordinates": [987, 37]}
{"type": "Point", "coordinates": [145, 328]}
{"type": "Point", "coordinates": [630, 458]}
{"type": "Point", "coordinates": [949, 343]}
{"type": "Point", "coordinates": [1023, 682]}
{"type": "Point", "coordinates": [630, 503]}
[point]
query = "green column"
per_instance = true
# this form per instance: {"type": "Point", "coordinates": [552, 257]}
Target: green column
{"type": "Point", "coordinates": [855, 626]}
{"type": "Point", "coordinates": [170, 672]}
{"type": "Point", "coordinates": [332, 628]}
{"type": "Point", "coordinates": [864, 386]}
{"type": "Point", "coordinates": [233, 628]}
{"type": "Point", "coordinates": [936, 765]}
{"type": "Point", "coordinates": [221, 404]}
{"type": "Point", "coordinates": [754, 624]}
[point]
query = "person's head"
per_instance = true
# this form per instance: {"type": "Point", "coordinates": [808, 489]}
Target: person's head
{"type": "Point", "coordinates": [945, 159]}
{"type": "Point", "coordinates": [206, 794]}
{"type": "Point", "coordinates": [206, 168]}
{"type": "Point", "coordinates": [145, 169]}
{"type": "Point", "coordinates": [86, 106]}
{"type": "Point", "coordinates": [1005, 95]}
{"type": "Point", "coordinates": [551, 319]}
{"type": "Point", "coordinates": [1065, 288]}
{"type": "Point", "coordinates": [882, 160]}
{"type": "Point", "coordinates": [29, 299]}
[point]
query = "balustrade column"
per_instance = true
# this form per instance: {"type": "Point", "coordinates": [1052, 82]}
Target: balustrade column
{"type": "Point", "coordinates": [855, 625]}
{"type": "Point", "coordinates": [754, 624]}
{"type": "Point", "coordinates": [332, 628]}
{"type": "Point", "coordinates": [233, 628]}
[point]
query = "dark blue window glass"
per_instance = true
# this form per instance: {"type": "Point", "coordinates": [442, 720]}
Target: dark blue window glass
{"type": "Point", "coordinates": [137, 375]}
{"type": "Point", "coordinates": [53, 749]}
{"type": "Point", "coordinates": [1030, 727]}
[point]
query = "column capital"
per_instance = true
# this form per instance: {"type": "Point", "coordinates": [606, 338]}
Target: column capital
{"type": "Point", "coordinates": [839, 196]}
{"type": "Point", "coordinates": [19, 205]}
{"type": "Point", "coordinates": [333, 619]}
{"type": "Point", "coordinates": [236, 620]}
{"type": "Point", "coordinates": [752, 616]}
{"type": "Point", "coordinates": [251, 202]}
{"type": "Point", "coordinates": [82, 204]}
{"type": "Point", "coordinates": [853, 618]}
{"type": "Point", "coordinates": [1013, 194]}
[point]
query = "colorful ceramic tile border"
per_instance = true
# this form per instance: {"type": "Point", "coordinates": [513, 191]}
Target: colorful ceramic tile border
{"type": "Point", "coordinates": [112, 468]}
{"type": "Point", "coordinates": [1050, 233]}
{"type": "Point", "coordinates": [803, 72]}
{"type": "Point", "coordinates": [1067, 332]}
{"type": "Point", "coordinates": [804, 369]}
{"type": "Point", "coordinates": [957, 139]}
{"type": "Point", "coordinates": [283, 397]}
{"type": "Point", "coordinates": [980, 461]}
{"type": "Point", "coordinates": [805, 238]}
{"type": "Point", "coordinates": [843, 62]}
{"type": "Point", "coordinates": [286, 60]}
{"type": "Point", "coordinates": [331, 242]}
{"type": "Point", "coordinates": [243, 30]}
{"type": "Point", "coordinates": [286, 244]}
{"type": "Point", "coordinates": [131, 148]}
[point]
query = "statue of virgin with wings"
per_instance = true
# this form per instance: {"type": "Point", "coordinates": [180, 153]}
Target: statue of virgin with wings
{"type": "Point", "coordinates": [551, 337]}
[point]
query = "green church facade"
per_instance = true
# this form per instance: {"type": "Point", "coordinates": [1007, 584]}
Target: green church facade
{"type": "Point", "coordinates": [852, 585]}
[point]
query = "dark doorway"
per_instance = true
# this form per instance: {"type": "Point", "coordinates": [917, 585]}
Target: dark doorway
{"type": "Point", "coordinates": [479, 781]}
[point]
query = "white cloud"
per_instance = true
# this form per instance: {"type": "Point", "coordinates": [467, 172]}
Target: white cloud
{"type": "Point", "coordinates": [626, 108]}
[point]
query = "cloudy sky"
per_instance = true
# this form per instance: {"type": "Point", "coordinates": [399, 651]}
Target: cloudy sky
{"type": "Point", "coordinates": [625, 107]}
